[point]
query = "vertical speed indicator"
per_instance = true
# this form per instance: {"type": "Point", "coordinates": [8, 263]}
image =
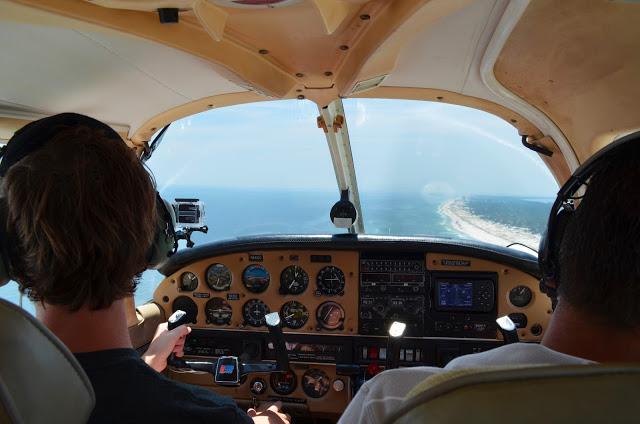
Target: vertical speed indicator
{"type": "Point", "coordinates": [294, 314]}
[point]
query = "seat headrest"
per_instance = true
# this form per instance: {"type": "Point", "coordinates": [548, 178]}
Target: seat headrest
{"type": "Point", "coordinates": [581, 393]}
{"type": "Point", "coordinates": [40, 379]}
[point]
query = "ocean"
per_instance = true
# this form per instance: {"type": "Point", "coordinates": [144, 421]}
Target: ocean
{"type": "Point", "coordinates": [234, 212]}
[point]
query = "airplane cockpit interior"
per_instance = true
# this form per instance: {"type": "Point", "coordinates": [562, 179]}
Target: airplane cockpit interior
{"type": "Point", "coordinates": [357, 185]}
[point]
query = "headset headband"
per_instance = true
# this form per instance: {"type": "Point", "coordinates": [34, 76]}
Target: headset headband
{"type": "Point", "coordinates": [36, 134]}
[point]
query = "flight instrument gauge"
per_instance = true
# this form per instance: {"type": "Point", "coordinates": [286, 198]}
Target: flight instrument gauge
{"type": "Point", "coordinates": [254, 311]}
{"type": "Point", "coordinates": [188, 281]}
{"type": "Point", "coordinates": [520, 296]}
{"type": "Point", "coordinates": [186, 304]}
{"type": "Point", "coordinates": [255, 278]}
{"type": "Point", "coordinates": [218, 277]}
{"type": "Point", "coordinates": [283, 383]}
{"type": "Point", "coordinates": [315, 383]}
{"type": "Point", "coordinates": [294, 314]}
{"type": "Point", "coordinates": [330, 316]}
{"type": "Point", "coordinates": [330, 281]}
{"type": "Point", "coordinates": [218, 311]}
{"type": "Point", "coordinates": [293, 280]}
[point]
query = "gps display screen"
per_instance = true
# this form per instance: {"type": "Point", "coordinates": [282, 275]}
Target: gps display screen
{"type": "Point", "coordinates": [455, 295]}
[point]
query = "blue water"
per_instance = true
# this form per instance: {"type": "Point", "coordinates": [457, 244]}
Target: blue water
{"type": "Point", "coordinates": [230, 213]}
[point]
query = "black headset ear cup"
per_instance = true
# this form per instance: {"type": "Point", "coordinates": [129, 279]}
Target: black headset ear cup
{"type": "Point", "coordinates": [550, 250]}
{"type": "Point", "coordinates": [165, 242]}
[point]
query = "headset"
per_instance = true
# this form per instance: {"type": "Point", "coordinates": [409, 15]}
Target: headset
{"type": "Point", "coordinates": [563, 209]}
{"type": "Point", "coordinates": [36, 134]}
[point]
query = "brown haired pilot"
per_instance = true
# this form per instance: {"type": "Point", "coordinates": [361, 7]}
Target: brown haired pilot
{"type": "Point", "coordinates": [81, 219]}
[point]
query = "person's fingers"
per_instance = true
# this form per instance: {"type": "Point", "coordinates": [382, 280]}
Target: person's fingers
{"type": "Point", "coordinates": [181, 331]}
{"type": "Point", "coordinates": [251, 412]}
{"type": "Point", "coordinates": [276, 406]}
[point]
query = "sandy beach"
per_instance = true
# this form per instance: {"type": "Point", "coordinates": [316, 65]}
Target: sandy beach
{"type": "Point", "coordinates": [471, 226]}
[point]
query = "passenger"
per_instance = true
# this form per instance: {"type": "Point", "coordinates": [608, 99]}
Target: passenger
{"type": "Point", "coordinates": [597, 318]}
{"type": "Point", "coordinates": [81, 217]}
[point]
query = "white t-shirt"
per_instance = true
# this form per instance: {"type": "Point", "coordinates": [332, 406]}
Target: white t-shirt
{"type": "Point", "coordinates": [386, 391]}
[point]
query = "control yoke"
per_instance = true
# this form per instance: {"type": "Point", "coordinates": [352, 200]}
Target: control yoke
{"type": "Point", "coordinates": [228, 370]}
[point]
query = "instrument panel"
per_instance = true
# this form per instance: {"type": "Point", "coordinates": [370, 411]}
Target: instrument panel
{"type": "Point", "coordinates": [314, 291]}
{"type": "Point", "coordinates": [336, 307]}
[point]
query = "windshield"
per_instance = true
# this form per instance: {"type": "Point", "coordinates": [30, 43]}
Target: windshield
{"type": "Point", "coordinates": [434, 169]}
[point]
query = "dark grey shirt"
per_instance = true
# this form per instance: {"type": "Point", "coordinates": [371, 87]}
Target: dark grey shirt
{"type": "Point", "coordinates": [128, 390]}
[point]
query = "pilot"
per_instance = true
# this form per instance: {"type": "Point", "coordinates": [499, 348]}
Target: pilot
{"type": "Point", "coordinates": [597, 317]}
{"type": "Point", "coordinates": [81, 216]}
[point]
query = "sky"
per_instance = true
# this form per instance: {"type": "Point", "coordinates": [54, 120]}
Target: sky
{"type": "Point", "coordinates": [402, 146]}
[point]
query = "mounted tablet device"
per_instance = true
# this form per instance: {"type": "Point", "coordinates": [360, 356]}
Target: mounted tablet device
{"type": "Point", "coordinates": [343, 214]}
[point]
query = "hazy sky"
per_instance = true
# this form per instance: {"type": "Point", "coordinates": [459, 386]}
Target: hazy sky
{"type": "Point", "coordinates": [398, 145]}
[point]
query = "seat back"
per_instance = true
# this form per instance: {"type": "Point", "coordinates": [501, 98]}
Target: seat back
{"type": "Point", "coordinates": [40, 379]}
{"type": "Point", "coordinates": [582, 393]}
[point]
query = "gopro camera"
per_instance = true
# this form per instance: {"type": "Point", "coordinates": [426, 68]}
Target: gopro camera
{"type": "Point", "coordinates": [189, 212]}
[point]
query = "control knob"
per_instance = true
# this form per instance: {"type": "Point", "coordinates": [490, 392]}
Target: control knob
{"type": "Point", "coordinates": [258, 386]}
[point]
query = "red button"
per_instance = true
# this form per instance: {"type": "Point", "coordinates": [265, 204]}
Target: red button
{"type": "Point", "coordinates": [373, 369]}
{"type": "Point", "coordinates": [373, 352]}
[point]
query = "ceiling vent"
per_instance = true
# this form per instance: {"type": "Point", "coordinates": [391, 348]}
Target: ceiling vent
{"type": "Point", "coordinates": [368, 84]}
{"type": "Point", "coordinates": [254, 4]}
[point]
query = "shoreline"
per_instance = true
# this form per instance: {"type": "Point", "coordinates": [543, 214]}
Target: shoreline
{"type": "Point", "coordinates": [464, 222]}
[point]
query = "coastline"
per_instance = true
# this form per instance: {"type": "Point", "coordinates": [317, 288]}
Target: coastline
{"type": "Point", "coordinates": [464, 222]}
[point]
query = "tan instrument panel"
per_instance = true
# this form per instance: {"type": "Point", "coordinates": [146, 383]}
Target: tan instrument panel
{"type": "Point", "coordinates": [518, 292]}
{"type": "Point", "coordinates": [314, 291]}
{"type": "Point", "coordinates": [231, 282]}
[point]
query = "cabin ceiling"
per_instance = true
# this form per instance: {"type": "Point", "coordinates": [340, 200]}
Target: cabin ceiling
{"type": "Point", "coordinates": [571, 68]}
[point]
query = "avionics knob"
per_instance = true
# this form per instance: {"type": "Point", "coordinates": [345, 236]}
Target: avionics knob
{"type": "Point", "coordinates": [258, 386]}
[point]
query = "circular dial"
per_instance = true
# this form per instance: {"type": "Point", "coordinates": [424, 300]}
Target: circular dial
{"type": "Point", "coordinates": [315, 383]}
{"type": "Point", "coordinates": [283, 383]}
{"type": "Point", "coordinates": [330, 281]}
{"type": "Point", "coordinates": [330, 315]}
{"type": "Point", "coordinates": [188, 281]}
{"type": "Point", "coordinates": [255, 278]}
{"type": "Point", "coordinates": [186, 304]}
{"type": "Point", "coordinates": [218, 277]}
{"type": "Point", "coordinates": [218, 311]}
{"type": "Point", "coordinates": [254, 311]}
{"type": "Point", "coordinates": [520, 296]}
{"type": "Point", "coordinates": [294, 314]}
{"type": "Point", "coordinates": [293, 280]}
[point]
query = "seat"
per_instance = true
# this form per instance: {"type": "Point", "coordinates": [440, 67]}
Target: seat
{"type": "Point", "coordinates": [550, 394]}
{"type": "Point", "coordinates": [40, 379]}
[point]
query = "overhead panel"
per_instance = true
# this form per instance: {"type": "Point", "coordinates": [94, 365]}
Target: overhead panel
{"type": "Point", "coordinates": [445, 54]}
{"type": "Point", "coordinates": [114, 77]}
